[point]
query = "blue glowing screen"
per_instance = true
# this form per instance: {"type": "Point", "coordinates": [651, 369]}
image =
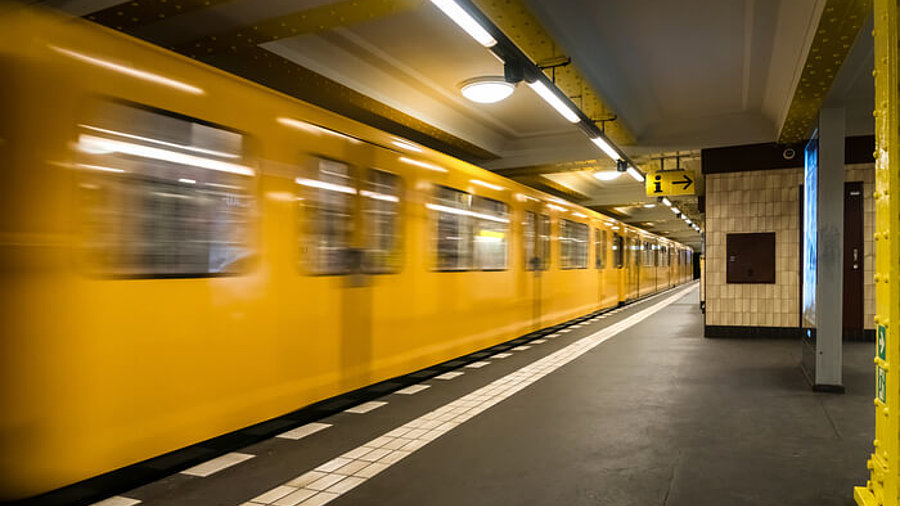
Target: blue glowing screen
{"type": "Point", "coordinates": [810, 222]}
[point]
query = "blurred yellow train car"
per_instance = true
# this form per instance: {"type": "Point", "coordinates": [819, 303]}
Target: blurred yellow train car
{"type": "Point", "coordinates": [185, 253]}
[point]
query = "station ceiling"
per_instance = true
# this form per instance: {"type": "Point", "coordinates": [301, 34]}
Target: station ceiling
{"type": "Point", "coordinates": [676, 76]}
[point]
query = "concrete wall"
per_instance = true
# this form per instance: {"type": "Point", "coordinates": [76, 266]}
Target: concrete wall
{"type": "Point", "coordinates": [768, 201]}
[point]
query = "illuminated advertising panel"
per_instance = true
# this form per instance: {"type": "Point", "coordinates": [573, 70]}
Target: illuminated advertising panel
{"type": "Point", "coordinates": [810, 219]}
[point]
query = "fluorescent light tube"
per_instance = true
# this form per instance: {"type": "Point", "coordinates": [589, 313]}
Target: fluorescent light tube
{"type": "Point", "coordinates": [667, 202]}
{"type": "Point", "coordinates": [607, 148]}
{"type": "Point", "coordinates": [636, 174]}
{"type": "Point", "coordinates": [465, 21]}
{"type": "Point", "coordinates": [551, 98]}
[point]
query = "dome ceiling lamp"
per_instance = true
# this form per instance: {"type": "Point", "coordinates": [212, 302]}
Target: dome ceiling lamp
{"type": "Point", "coordinates": [486, 89]}
{"type": "Point", "coordinates": [607, 175]}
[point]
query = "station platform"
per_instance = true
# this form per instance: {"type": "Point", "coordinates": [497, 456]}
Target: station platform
{"type": "Point", "coordinates": [631, 407]}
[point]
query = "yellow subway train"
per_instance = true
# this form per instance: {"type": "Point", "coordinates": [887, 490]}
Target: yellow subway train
{"type": "Point", "coordinates": [185, 253]}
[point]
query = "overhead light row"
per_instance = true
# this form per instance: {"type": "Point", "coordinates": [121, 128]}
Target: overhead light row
{"type": "Point", "coordinates": [678, 212]}
{"type": "Point", "coordinates": [466, 16]}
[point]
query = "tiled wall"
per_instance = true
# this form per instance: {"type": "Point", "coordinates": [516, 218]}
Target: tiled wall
{"type": "Point", "coordinates": [767, 201]}
{"type": "Point", "coordinates": [743, 202]}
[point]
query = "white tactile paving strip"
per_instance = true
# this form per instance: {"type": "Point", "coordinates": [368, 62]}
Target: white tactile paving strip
{"type": "Point", "coordinates": [304, 430]}
{"type": "Point", "coordinates": [217, 464]}
{"type": "Point", "coordinates": [478, 365]}
{"type": "Point", "coordinates": [343, 473]}
{"type": "Point", "coordinates": [412, 389]}
{"type": "Point", "coordinates": [117, 501]}
{"type": "Point", "coordinates": [365, 407]}
{"type": "Point", "coordinates": [502, 355]}
{"type": "Point", "coordinates": [449, 375]}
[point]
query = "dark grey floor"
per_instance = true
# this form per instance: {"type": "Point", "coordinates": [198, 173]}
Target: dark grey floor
{"type": "Point", "coordinates": [657, 415]}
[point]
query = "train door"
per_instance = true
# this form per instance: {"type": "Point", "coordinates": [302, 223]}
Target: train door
{"type": "Point", "coordinates": [600, 262]}
{"type": "Point", "coordinates": [635, 256]}
{"type": "Point", "coordinates": [536, 246]}
{"type": "Point", "coordinates": [355, 238]}
{"type": "Point", "coordinates": [618, 250]}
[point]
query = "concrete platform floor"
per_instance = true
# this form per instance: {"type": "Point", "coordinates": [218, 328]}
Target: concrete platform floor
{"type": "Point", "coordinates": [655, 415]}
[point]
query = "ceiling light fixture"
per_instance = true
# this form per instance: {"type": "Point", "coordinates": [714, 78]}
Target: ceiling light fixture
{"type": "Point", "coordinates": [666, 201]}
{"type": "Point", "coordinates": [636, 174]}
{"type": "Point", "coordinates": [551, 98]}
{"type": "Point", "coordinates": [606, 147]}
{"type": "Point", "coordinates": [649, 206]}
{"type": "Point", "coordinates": [675, 210]}
{"type": "Point", "coordinates": [486, 90]}
{"type": "Point", "coordinates": [607, 175]}
{"type": "Point", "coordinates": [466, 22]}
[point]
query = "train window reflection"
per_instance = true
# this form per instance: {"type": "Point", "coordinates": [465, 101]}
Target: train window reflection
{"type": "Point", "coordinates": [162, 195]}
{"type": "Point", "coordinates": [330, 209]}
{"type": "Point", "coordinates": [599, 248]}
{"type": "Point", "coordinates": [573, 244]}
{"type": "Point", "coordinates": [543, 245]}
{"type": "Point", "coordinates": [618, 248]}
{"type": "Point", "coordinates": [647, 254]}
{"type": "Point", "coordinates": [529, 241]}
{"type": "Point", "coordinates": [491, 233]}
{"type": "Point", "coordinates": [454, 229]}
{"type": "Point", "coordinates": [382, 221]}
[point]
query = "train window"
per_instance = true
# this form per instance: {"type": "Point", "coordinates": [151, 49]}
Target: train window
{"type": "Point", "coordinates": [491, 233]}
{"type": "Point", "coordinates": [647, 254]}
{"type": "Point", "coordinates": [618, 248]}
{"type": "Point", "coordinates": [454, 229]}
{"type": "Point", "coordinates": [599, 248]}
{"type": "Point", "coordinates": [381, 204]}
{"type": "Point", "coordinates": [162, 195]}
{"type": "Point", "coordinates": [543, 245]}
{"type": "Point", "coordinates": [529, 241]}
{"type": "Point", "coordinates": [573, 244]}
{"type": "Point", "coordinates": [330, 221]}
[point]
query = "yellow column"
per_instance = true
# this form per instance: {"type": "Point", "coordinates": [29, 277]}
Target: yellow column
{"type": "Point", "coordinates": [884, 464]}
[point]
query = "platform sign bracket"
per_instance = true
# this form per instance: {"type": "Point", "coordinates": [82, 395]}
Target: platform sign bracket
{"type": "Point", "coordinates": [661, 183]}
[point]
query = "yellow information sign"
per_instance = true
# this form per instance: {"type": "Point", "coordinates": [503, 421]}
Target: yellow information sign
{"type": "Point", "coordinates": [670, 182]}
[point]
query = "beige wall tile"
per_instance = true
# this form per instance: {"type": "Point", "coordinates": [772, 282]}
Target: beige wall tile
{"type": "Point", "coordinates": [768, 201]}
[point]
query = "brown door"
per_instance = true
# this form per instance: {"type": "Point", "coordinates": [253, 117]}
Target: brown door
{"type": "Point", "coordinates": [853, 260]}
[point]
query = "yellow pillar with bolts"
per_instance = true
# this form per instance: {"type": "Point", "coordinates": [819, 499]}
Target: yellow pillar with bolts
{"type": "Point", "coordinates": [883, 486]}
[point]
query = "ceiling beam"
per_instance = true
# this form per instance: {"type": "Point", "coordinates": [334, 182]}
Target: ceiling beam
{"type": "Point", "coordinates": [313, 20]}
{"type": "Point", "coordinates": [552, 187]}
{"type": "Point", "coordinates": [129, 16]}
{"type": "Point", "coordinates": [517, 22]}
{"type": "Point", "coordinates": [838, 28]}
